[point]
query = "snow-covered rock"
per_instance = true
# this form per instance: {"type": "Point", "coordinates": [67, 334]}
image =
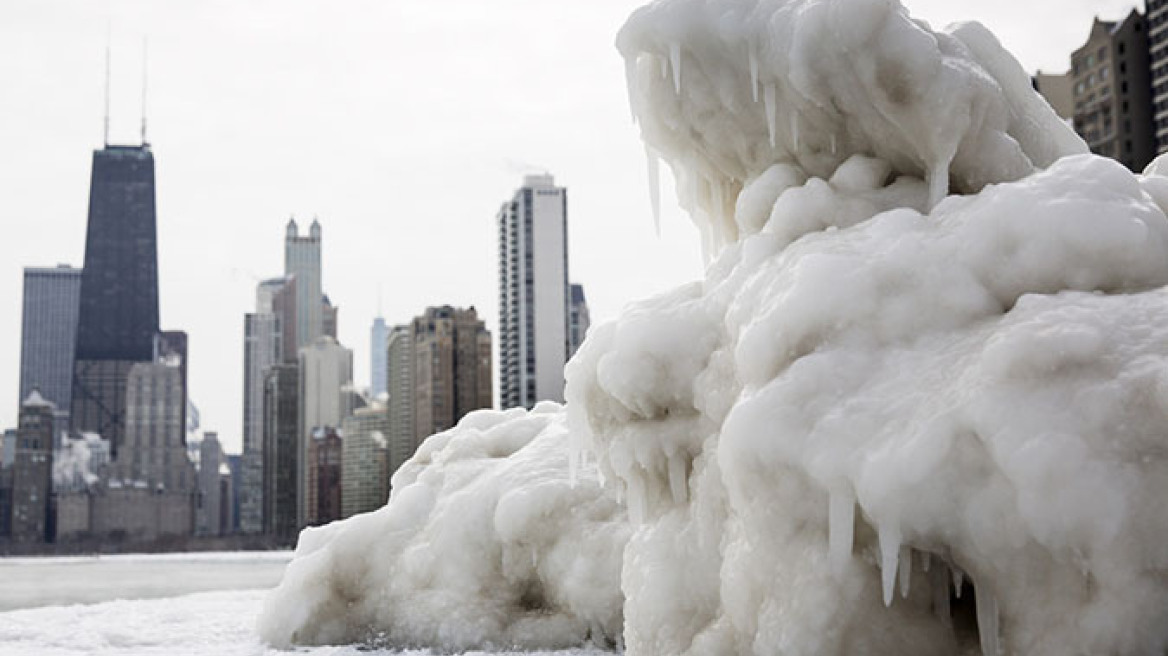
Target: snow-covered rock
{"type": "Point", "coordinates": [918, 405]}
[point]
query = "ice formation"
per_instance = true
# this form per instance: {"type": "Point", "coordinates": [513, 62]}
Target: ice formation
{"type": "Point", "coordinates": [917, 405]}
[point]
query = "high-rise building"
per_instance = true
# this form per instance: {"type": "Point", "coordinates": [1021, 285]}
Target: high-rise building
{"type": "Point", "coordinates": [207, 515]}
{"type": "Point", "coordinates": [281, 452]}
{"type": "Point", "coordinates": [32, 471]}
{"type": "Point", "coordinates": [579, 319]}
{"type": "Point", "coordinates": [533, 293]}
{"type": "Point", "coordinates": [364, 460]}
{"type": "Point", "coordinates": [1112, 91]}
{"type": "Point", "coordinates": [118, 305]}
{"type": "Point", "coordinates": [329, 317]}
{"type": "Point", "coordinates": [302, 260]}
{"type": "Point", "coordinates": [400, 366]}
{"type": "Point", "coordinates": [154, 451]}
{"type": "Point", "coordinates": [378, 369]}
{"type": "Point", "coordinates": [1157, 21]}
{"type": "Point", "coordinates": [325, 399]}
{"type": "Point", "coordinates": [267, 331]}
{"type": "Point", "coordinates": [325, 456]}
{"type": "Point", "coordinates": [48, 336]}
{"type": "Point", "coordinates": [452, 368]}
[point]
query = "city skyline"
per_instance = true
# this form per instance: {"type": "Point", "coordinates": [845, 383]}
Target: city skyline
{"type": "Point", "coordinates": [265, 143]}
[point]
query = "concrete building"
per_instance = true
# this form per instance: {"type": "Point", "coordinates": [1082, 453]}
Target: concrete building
{"type": "Point", "coordinates": [208, 508]}
{"type": "Point", "coordinates": [325, 458]}
{"type": "Point", "coordinates": [1112, 91]}
{"type": "Point", "coordinates": [452, 368]}
{"type": "Point", "coordinates": [325, 399]}
{"type": "Point", "coordinates": [48, 336]}
{"type": "Point", "coordinates": [579, 319]}
{"type": "Point", "coordinates": [154, 453]}
{"type": "Point", "coordinates": [400, 380]}
{"type": "Point", "coordinates": [1057, 89]}
{"type": "Point", "coordinates": [281, 452]}
{"type": "Point", "coordinates": [533, 293]}
{"type": "Point", "coordinates": [1157, 21]}
{"type": "Point", "coordinates": [302, 260]}
{"type": "Point", "coordinates": [329, 317]}
{"type": "Point", "coordinates": [378, 368]}
{"type": "Point", "coordinates": [364, 460]}
{"type": "Point", "coordinates": [268, 334]}
{"type": "Point", "coordinates": [32, 472]}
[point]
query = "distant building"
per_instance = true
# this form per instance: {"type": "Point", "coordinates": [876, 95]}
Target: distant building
{"type": "Point", "coordinates": [49, 336]}
{"type": "Point", "coordinates": [1057, 89]}
{"type": "Point", "coordinates": [452, 368]}
{"type": "Point", "coordinates": [1112, 91]}
{"type": "Point", "coordinates": [378, 369]}
{"type": "Point", "coordinates": [329, 317]}
{"type": "Point", "coordinates": [269, 333]}
{"type": "Point", "coordinates": [325, 457]}
{"type": "Point", "coordinates": [325, 399]}
{"type": "Point", "coordinates": [235, 466]}
{"type": "Point", "coordinates": [364, 460]}
{"type": "Point", "coordinates": [579, 319]}
{"type": "Point", "coordinates": [209, 507]}
{"type": "Point", "coordinates": [32, 472]}
{"type": "Point", "coordinates": [1157, 21]}
{"type": "Point", "coordinates": [302, 260]}
{"type": "Point", "coordinates": [118, 302]}
{"type": "Point", "coordinates": [227, 517]}
{"type": "Point", "coordinates": [403, 438]}
{"type": "Point", "coordinates": [281, 470]}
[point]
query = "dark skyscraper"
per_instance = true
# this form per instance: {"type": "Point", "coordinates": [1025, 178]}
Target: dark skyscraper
{"type": "Point", "coordinates": [118, 316]}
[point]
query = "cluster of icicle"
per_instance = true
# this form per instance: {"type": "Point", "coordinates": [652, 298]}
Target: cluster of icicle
{"type": "Point", "coordinates": [929, 354]}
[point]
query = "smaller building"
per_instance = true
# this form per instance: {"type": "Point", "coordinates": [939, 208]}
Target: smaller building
{"type": "Point", "coordinates": [325, 460]}
{"type": "Point", "coordinates": [281, 451]}
{"type": "Point", "coordinates": [32, 472]}
{"type": "Point", "coordinates": [1057, 90]}
{"type": "Point", "coordinates": [209, 506]}
{"type": "Point", "coordinates": [364, 470]}
{"type": "Point", "coordinates": [579, 319]}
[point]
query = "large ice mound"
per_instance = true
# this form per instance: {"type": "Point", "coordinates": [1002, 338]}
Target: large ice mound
{"type": "Point", "coordinates": [889, 420]}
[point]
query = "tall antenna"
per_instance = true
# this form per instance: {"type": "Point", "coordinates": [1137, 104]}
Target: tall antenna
{"type": "Point", "coordinates": [107, 82]}
{"type": "Point", "coordinates": [145, 58]}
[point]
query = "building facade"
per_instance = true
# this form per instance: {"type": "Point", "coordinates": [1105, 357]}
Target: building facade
{"type": "Point", "coordinates": [400, 381]}
{"type": "Point", "coordinates": [281, 451]}
{"type": "Point", "coordinates": [452, 368]}
{"type": "Point", "coordinates": [1157, 20]}
{"type": "Point", "coordinates": [48, 336]}
{"type": "Point", "coordinates": [378, 368]}
{"type": "Point", "coordinates": [533, 293]}
{"type": "Point", "coordinates": [364, 460]}
{"type": "Point", "coordinates": [32, 472]}
{"type": "Point", "coordinates": [208, 508]}
{"type": "Point", "coordinates": [579, 319]}
{"type": "Point", "coordinates": [1113, 91]}
{"type": "Point", "coordinates": [325, 458]}
{"type": "Point", "coordinates": [325, 399]}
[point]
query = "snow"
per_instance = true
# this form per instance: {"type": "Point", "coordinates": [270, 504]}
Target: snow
{"type": "Point", "coordinates": [930, 349]}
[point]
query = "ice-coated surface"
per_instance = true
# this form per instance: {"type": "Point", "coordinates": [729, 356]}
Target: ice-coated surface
{"type": "Point", "coordinates": [485, 543]}
{"type": "Point", "coordinates": [889, 420]}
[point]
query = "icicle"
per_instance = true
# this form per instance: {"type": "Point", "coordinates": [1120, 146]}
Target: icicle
{"type": "Point", "coordinates": [926, 561]}
{"type": "Point", "coordinates": [841, 521]}
{"type": "Point", "coordinates": [833, 144]}
{"type": "Point", "coordinates": [631, 86]}
{"type": "Point", "coordinates": [987, 623]}
{"type": "Point", "coordinates": [768, 98]}
{"type": "Point", "coordinates": [753, 75]}
{"type": "Point", "coordinates": [654, 168]}
{"type": "Point", "coordinates": [675, 63]}
{"type": "Point", "coordinates": [958, 580]}
{"type": "Point", "coordinates": [678, 485]}
{"type": "Point", "coordinates": [940, 588]}
{"type": "Point", "coordinates": [905, 570]}
{"type": "Point", "coordinates": [795, 129]}
{"type": "Point", "coordinates": [889, 558]}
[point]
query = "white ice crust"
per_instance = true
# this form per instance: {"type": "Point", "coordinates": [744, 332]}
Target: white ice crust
{"type": "Point", "coordinates": [889, 420]}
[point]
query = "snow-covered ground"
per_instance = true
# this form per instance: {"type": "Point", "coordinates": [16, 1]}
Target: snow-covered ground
{"type": "Point", "coordinates": [173, 604]}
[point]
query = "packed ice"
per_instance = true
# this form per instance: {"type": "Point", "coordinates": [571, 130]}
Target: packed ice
{"type": "Point", "coordinates": [917, 405]}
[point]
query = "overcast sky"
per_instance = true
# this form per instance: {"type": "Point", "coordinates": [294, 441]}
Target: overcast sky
{"type": "Point", "coordinates": [401, 125]}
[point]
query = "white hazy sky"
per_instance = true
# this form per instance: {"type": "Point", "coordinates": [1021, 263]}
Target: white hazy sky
{"type": "Point", "coordinates": [401, 124]}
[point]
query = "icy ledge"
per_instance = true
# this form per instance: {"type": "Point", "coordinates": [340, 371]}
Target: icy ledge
{"type": "Point", "coordinates": [887, 421]}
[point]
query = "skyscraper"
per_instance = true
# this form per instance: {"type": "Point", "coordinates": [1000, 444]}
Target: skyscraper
{"type": "Point", "coordinates": [378, 341]}
{"type": "Point", "coordinates": [364, 479]}
{"type": "Point", "coordinates": [269, 334]}
{"type": "Point", "coordinates": [302, 260]}
{"type": "Point", "coordinates": [326, 380]}
{"type": "Point", "coordinates": [32, 472]}
{"type": "Point", "coordinates": [533, 293]}
{"type": "Point", "coordinates": [49, 335]}
{"type": "Point", "coordinates": [579, 319]}
{"type": "Point", "coordinates": [400, 366]}
{"type": "Point", "coordinates": [118, 306]}
{"type": "Point", "coordinates": [281, 452]}
{"type": "Point", "coordinates": [452, 368]}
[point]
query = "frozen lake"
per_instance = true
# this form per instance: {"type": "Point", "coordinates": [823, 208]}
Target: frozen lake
{"type": "Point", "coordinates": [144, 605]}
